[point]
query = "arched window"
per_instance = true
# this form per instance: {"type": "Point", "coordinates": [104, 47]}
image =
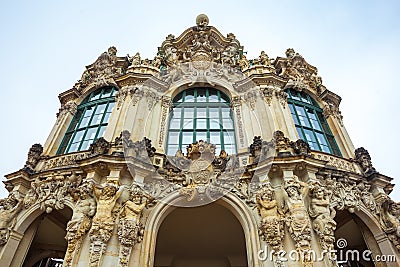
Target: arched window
{"type": "Point", "coordinates": [90, 120]}
{"type": "Point", "coordinates": [201, 114]}
{"type": "Point", "coordinates": [310, 123]}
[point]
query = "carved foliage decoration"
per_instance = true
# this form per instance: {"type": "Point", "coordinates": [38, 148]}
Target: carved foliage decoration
{"type": "Point", "coordinates": [69, 107]}
{"type": "Point", "coordinates": [49, 192]}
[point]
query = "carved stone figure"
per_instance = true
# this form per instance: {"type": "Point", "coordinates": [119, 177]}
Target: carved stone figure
{"type": "Point", "coordinates": [33, 157]}
{"type": "Point", "coordinates": [130, 230]}
{"type": "Point", "coordinates": [272, 224]}
{"type": "Point", "coordinates": [9, 207]}
{"type": "Point", "coordinates": [243, 62]}
{"type": "Point", "coordinates": [366, 197]}
{"type": "Point", "coordinates": [301, 147]}
{"type": "Point", "coordinates": [80, 222]}
{"type": "Point", "coordinates": [323, 215]}
{"type": "Point", "coordinates": [135, 60]}
{"type": "Point", "coordinates": [282, 144]}
{"type": "Point", "coordinates": [99, 147]}
{"type": "Point", "coordinates": [390, 221]}
{"type": "Point", "coordinates": [202, 21]}
{"type": "Point", "coordinates": [103, 221]}
{"type": "Point", "coordinates": [298, 221]}
{"type": "Point", "coordinates": [364, 160]}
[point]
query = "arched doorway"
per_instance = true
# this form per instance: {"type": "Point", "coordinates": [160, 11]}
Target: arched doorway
{"type": "Point", "coordinates": [201, 236]}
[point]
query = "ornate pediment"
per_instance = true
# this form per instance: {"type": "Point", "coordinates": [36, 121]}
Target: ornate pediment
{"type": "Point", "coordinates": [301, 74]}
{"type": "Point", "coordinates": [201, 43]}
{"type": "Point", "coordinates": [101, 73]}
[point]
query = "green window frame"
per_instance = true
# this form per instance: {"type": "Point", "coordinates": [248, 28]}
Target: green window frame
{"type": "Point", "coordinates": [201, 113]}
{"type": "Point", "coordinates": [310, 123]}
{"type": "Point", "coordinates": [90, 120]}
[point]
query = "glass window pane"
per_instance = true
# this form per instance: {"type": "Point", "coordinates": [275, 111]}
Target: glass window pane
{"type": "Point", "coordinates": [188, 112]}
{"type": "Point", "coordinates": [171, 149]}
{"type": "Point", "coordinates": [91, 134]}
{"type": "Point", "coordinates": [100, 109]}
{"type": "Point", "coordinates": [304, 121]}
{"type": "Point", "coordinates": [315, 125]}
{"type": "Point", "coordinates": [96, 119]}
{"type": "Point", "coordinates": [230, 149]}
{"type": "Point", "coordinates": [96, 95]}
{"type": "Point", "coordinates": [213, 98]}
{"type": "Point", "coordinates": [214, 124]}
{"type": "Point", "coordinates": [213, 113]}
{"type": "Point", "coordinates": [321, 139]}
{"type": "Point", "coordinates": [78, 136]}
{"type": "Point", "coordinates": [85, 144]}
{"type": "Point", "coordinates": [73, 147]}
{"type": "Point", "coordinates": [201, 95]}
{"type": "Point", "coordinates": [229, 138]}
{"type": "Point", "coordinates": [110, 107]}
{"type": "Point", "coordinates": [309, 136]}
{"type": "Point", "coordinates": [227, 124]}
{"type": "Point", "coordinates": [189, 96]}
{"type": "Point", "coordinates": [301, 136]}
{"type": "Point", "coordinates": [101, 131]}
{"type": "Point", "coordinates": [226, 113]}
{"type": "Point", "coordinates": [201, 124]}
{"type": "Point", "coordinates": [215, 138]}
{"type": "Point", "coordinates": [201, 113]}
{"type": "Point", "coordinates": [187, 124]}
{"type": "Point", "coordinates": [176, 113]}
{"type": "Point", "coordinates": [106, 118]}
{"type": "Point", "coordinates": [107, 92]}
{"type": "Point", "coordinates": [175, 124]}
{"type": "Point", "coordinates": [187, 137]}
{"type": "Point", "coordinates": [173, 138]}
{"type": "Point", "coordinates": [201, 136]}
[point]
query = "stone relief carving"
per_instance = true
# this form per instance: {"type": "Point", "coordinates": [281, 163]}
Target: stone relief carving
{"type": "Point", "coordinates": [102, 226]}
{"type": "Point", "coordinates": [34, 154]}
{"type": "Point", "coordinates": [49, 192]}
{"type": "Point", "coordinates": [272, 219]}
{"type": "Point", "coordinates": [390, 221]}
{"type": "Point", "coordinates": [102, 71]}
{"type": "Point", "coordinates": [322, 213]}
{"type": "Point", "coordinates": [99, 147]}
{"type": "Point", "coordinates": [236, 106]}
{"type": "Point", "coordinates": [364, 160]}
{"type": "Point", "coordinates": [130, 229]}
{"type": "Point", "coordinates": [69, 107]}
{"type": "Point", "coordinates": [80, 223]}
{"type": "Point", "coordinates": [123, 93]}
{"type": "Point", "coordinates": [331, 109]}
{"type": "Point", "coordinates": [9, 208]}
{"type": "Point", "coordinates": [166, 104]}
{"type": "Point", "coordinates": [297, 220]}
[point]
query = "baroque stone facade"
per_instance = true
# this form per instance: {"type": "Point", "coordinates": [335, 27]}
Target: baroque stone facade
{"type": "Point", "coordinates": [110, 200]}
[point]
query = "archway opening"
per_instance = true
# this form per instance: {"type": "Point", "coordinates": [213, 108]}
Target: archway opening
{"type": "Point", "coordinates": [48, 245]}
{"type": "Point", "coordinates": [201, 236]}
{"type": "Point", "coordinates": [354, 240]}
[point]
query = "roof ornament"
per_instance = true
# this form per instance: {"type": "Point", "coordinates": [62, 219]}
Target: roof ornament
{"type": "Point", "coordinates": [202, 21]}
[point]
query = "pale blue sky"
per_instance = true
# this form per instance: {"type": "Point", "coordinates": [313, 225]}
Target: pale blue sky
{"type": "Point", "coordinates": [354, 44]}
